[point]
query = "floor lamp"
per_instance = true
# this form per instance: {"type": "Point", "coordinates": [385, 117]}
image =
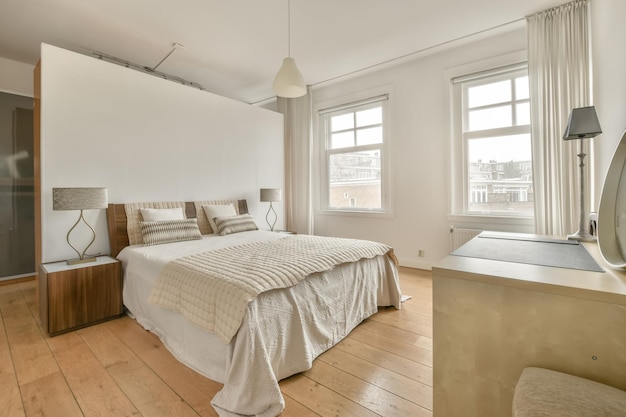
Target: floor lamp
{"type": "Point", "coordinates": [582, 124]}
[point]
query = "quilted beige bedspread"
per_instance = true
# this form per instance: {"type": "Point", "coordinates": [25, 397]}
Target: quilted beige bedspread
{"type": "Point", "coordinates": [212, 289]}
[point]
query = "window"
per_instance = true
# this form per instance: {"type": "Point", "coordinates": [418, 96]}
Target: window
{"type": "Point", "coordinates": [494, 141]}
{"type": "Point", "coordinates": [354, 142]}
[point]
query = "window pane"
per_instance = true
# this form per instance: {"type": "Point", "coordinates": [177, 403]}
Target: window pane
{"type": "Point", "coordinates": [369, 117]}
{"type": "Point", "coordinates": [500, 148]}
{"type": "Point", "coordinates": [490, 118]}
{"type": "Point", "coordinates": [355, 180]}
{"type": "Point", "coordinates": [500, 175]}
{"type": "Point", "coordinates": [522, 113]}
{"type": "Point", "coordinates": [493, 93]}
{"type": "Point", "coordinates": [369, 136]}
{"type": "Point", "coordinates": [342, 140]}
{"type": "Point", "coordinates": [521, 88]}
{"type": "Point", "coordinates": [342, 122]}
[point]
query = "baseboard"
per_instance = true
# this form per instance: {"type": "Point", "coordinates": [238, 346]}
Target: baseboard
{"type": "Point", "coordinates": [15, 280]}
{"type": "Point", "coordinates": [417, 264]}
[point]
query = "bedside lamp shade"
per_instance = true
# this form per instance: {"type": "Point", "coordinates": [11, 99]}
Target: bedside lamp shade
{"type": "Point", "coordinates": [79, 199]}
{"type": "Point", "coordinates": [270, 194]}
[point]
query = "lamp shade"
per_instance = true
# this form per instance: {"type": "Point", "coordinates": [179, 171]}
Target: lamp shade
{"type": "Point", "coordinates": [79, 198]}
{"type": "Point", "coordinates": [271, 194]}
{"type": "Point", "coordinates": [582, 124]}
{"type": "Point", "coordinates": [289, 82]}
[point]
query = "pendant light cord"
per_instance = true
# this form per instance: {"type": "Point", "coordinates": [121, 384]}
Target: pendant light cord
{"type": "Point", "coordinates": [289, 28]}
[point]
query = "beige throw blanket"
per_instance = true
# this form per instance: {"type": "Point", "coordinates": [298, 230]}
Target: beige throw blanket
{"type": "Point", "coordinates": [212, 289]}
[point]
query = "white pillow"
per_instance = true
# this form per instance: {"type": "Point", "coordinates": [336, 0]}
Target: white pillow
{"type": "Point", "coordinates": [213, 211]}
{"type": "Point", "coordinates": [158, 215]}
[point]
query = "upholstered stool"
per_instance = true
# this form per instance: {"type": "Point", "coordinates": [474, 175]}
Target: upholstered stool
{"type": "Point", "coordinates": [545, 393]}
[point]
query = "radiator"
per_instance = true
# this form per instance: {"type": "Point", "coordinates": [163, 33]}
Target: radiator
{"type": "Point", "coordinates": [460, 236]}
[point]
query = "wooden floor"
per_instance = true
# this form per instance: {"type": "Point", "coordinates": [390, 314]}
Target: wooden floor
{"type": "Point", "coordinates": [383, 368]}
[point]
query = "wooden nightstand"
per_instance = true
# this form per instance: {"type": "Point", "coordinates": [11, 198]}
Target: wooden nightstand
{"type": "Point", "coordinates": [75, 296]}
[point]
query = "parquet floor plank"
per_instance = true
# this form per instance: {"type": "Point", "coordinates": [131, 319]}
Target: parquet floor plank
{"type": "Point", "coordinates": [94, 389]}
{"type": "Point", "coordinates": [364, 393]}
{"type": "Point", "coordinates": [322, 400]}
{"type": "Point", "coordinates": [295, 409]}
{"type": "Point", "coordinates": [191, 386]}
{"type": "Point", "coordinates": [400, 322]}
{"type": "Point", "coordinates": [49, 396]}
{"type": "Point", "coordinates": [380, 376]}
{"type": "Point", "coordinates": [411, 368]}
{"type": "Point", "coordinates": [41, 383]}
{"type": "Point", "coordinates": [10, 397]}
{"type": "Point", "coordinates": [145, 389]}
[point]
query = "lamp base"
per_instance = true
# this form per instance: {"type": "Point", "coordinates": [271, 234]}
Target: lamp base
{"type": "Point", "coordinates": [81, 261]}
{"type": "Point", "coordinates": [582, 237]}
{"type": "Point", "coordinates": [267, 217]}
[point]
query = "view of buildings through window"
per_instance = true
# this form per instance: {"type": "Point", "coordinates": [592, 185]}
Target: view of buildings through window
{"type": "Point", "coordinates": [496, 132]}
{"type": "Point", "coordinates": [354, 155]}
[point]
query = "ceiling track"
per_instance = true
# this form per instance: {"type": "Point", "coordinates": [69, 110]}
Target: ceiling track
{"type": "Point", "coordinates": [149, 70]}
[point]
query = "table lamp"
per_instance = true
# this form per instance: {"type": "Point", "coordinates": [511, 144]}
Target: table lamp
{"type": "Point", "coordinates": [271, 195]}
{"type": "Point", "coordinates": [79, 199]}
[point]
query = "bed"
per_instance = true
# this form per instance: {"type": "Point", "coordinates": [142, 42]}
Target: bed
{"type": "Point", "coordinates": [280, 332]}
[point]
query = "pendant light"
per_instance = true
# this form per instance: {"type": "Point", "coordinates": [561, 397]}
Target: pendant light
{"type": "Point", "coordinates": [288, 81]}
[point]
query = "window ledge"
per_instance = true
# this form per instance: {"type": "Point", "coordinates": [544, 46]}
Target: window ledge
{"type": "Point", "coordinates": [355, 213]}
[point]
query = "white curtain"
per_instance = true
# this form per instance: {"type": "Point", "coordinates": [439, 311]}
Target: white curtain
{"type": "Point", "coordinates": [298, 202]}
{"type": "Point", "coordinates": [559, 67]}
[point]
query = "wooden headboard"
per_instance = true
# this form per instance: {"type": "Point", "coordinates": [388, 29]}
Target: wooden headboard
{"type": "Point", "coordinates": [117, 221]}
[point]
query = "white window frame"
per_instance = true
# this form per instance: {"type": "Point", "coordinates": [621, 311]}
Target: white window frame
{"type": "Point", "coordinates": [458, 190]}
{"type": "Point", "coordinates": [323, 110]}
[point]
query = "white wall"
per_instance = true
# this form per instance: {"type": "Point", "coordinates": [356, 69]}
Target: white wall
{"type": "Point", "coordinates": [146, 139]}
{"type": "Point", "coordinates": [609, 61]}
{"type": "Point", "coordinates": [420, 150]}
{"type": "Point", "coordinates": [16, 77]}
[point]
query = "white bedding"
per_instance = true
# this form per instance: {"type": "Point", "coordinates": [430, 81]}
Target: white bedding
{"type": "Point", "coordinates": [282, 332]}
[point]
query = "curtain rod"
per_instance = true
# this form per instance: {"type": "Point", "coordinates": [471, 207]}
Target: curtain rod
{"type": "Point", "coordinates": [422, 50]}
{"type": "Point", "coordinates": [355, 103]}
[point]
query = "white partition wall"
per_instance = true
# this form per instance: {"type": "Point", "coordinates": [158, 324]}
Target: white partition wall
{"type": "Point", "coordinates": [145, 139]}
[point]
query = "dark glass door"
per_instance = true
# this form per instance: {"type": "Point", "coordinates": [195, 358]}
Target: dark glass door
{"type": "Point", "coordinates": [17, 236]}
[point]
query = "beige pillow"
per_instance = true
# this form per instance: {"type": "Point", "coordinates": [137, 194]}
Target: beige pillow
{"type": "Point", "coordinates": [169, 231]}
{"type": "Point", "coordinates": [220, 210]}
{"type": "Point", "coordinates": [158, 215]}
{"type": "Point", "coordinates": [234, 224]}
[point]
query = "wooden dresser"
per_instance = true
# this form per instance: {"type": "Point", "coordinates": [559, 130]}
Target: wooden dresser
{"type": "Point", "coordinates": [491, 319]}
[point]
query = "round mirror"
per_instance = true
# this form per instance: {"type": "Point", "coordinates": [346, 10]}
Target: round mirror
{"type": "Point", "coordinates": [612, 212]}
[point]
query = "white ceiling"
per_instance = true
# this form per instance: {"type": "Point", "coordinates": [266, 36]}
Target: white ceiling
{"type": "Point", "coordinates": [235, 47]}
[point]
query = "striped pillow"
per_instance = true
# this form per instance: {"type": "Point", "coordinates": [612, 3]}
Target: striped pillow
{"type": "Point", "coordinates": [168, 231]}
{"type": "Point", "coordinates": [235, 224]}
